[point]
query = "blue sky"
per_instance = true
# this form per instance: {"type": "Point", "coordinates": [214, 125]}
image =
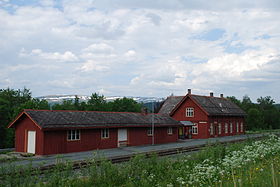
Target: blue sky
{"type": "Point", "coordinates": [141, 48]}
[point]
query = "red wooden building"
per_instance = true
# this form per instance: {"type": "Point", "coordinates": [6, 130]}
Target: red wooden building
{"type": "Point", "coordinates": [205, 116]}
{"type": "Point", "coordinates": [45, 132]}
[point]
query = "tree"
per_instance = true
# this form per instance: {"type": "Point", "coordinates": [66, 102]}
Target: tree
{"type": "Point", "coordinates": [270, 112]}
{"type": "Point", "coordinates": [265, 102]}
{"type": "Point", "coordinates": [33, 104]}
{"type": "Point", "coordinates": [234, 100]}
{"type": "Point", "coordinates": [96, 103]}
{"type": "Point", "coordinates": [10, 102]}
{"type": "Point", "coordinates": [246, 103]}
{"type": "Point", "coordinates": [255, 119]}
{"type": "Point", "coordinates": [125, 105]}
{"type": "Point", "coordinates": [65, 105]}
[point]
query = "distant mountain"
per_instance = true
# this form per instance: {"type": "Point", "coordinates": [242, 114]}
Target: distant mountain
{"type": "Point", "coordinates": [53, 99]}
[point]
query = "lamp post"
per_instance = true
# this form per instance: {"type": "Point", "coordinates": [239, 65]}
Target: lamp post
{"type": "Point", "coordinates": [153, 124]}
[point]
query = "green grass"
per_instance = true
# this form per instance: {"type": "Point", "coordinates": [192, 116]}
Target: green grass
{"type": "Point", "coordinates": [205, 168]}
{"type": "Point", "coordinates": [263, 173]}
{"type": "Point", "coordinates": [262, 131]}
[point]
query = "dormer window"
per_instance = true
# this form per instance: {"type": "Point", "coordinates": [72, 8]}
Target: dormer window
{"type": "Point", "coordinates": [189, 112]}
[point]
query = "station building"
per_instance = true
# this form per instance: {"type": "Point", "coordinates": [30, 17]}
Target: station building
{"type": "Point", "coordinates": [45, 132]}
{"type": "Point", "coordinates": [205, 116]}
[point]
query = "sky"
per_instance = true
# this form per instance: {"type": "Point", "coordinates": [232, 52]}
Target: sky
{"type": "Point", "coordinates": [141, 47]}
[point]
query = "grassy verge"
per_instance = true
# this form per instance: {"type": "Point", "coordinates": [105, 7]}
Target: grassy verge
{"type": "Point", "coordinates": [262, 173]}
{"type": "Point", "coordinates": [252, 163]}
{"type": "Point", "coordinates": [263, 131]}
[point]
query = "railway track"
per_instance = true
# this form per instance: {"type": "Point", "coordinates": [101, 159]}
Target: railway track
{"type": "Point", "coordinates": [120, 159]}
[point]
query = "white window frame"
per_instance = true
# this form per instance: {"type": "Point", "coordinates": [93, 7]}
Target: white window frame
{"type": "Point", "coordinates": [241, 127]}
{"type": "Point", "coordinates": [189, 112]}
{"type": "Point", "coordinates": [73, 135]}
{"type": "Point", "coordinates": [226, 128]}
{"type": "Point", "coordinates": [237, 127]}
{"type": "Point", "coordinates": [231, 127]}
{"type": "Point", "coordinates": [105, 133]}
{"type": "Point", "coordinates": [219, 128]}
{"type": "Point", "coordinates": [169, 130]}
{"type": "Point", "coordinates": [211, 129]}
{"type": "Point", "coordinates": [195, 128]}
{"type": "Point", "coordinates": [150, 131]}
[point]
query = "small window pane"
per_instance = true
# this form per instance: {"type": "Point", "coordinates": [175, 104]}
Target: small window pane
{"type": "Point", "coordinates": [105, 133]}
{"type": "Point", "coordinates": [69, 135]}
{"type": "Point", "coordinates": [77, 134]}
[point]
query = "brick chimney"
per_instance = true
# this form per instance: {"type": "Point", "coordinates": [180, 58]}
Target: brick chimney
{"type": "Point", "coordinates": [189, 91]}
{"type": "Point", "coordinates": [211, 94]}
{"type": "Point", "coordinates": [222, 95]}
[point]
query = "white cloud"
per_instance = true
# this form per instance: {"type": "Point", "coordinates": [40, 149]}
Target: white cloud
{"type": "Point", "coordinates": [99, 48]}
{"type": "Point", "coordinates": [233, 67]}
{"type": "Point", "coordinates": [140, 47]}
{"type": "Point", "coordinates": [60, 57]}
{"type": "Point", "coordinates": [130, 53]}
{"type": "Point", "coordinates": [93, 66]}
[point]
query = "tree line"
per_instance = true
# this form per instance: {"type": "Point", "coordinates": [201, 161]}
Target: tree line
{"type": "Point", "coordinates": [12, 102]}
{"type": "Point", "coordinates": [261, 115]}
{"type": "Point", "coordinates": [264, 114]}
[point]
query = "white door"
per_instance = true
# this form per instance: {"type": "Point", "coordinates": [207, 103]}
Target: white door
{"type": "Point", "coordinates": [122, 137]}
{"type": "Point", "coordinates": [31, 142]}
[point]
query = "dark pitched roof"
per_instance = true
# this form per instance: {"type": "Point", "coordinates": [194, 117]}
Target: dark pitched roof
{"type": "Point", "coordinates": [214, 106]}
{"type": "Point", "coordinates": [86, 119]}
{"type": "Point", "coordinates": [169, 104]}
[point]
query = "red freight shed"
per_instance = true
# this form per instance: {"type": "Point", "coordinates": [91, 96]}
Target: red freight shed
{"type": "Point", "coordinates": [205, 116]}
{"type": "Point", "coordinates": [45, 132]}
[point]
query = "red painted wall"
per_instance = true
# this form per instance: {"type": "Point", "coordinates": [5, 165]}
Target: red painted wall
{"type": "Point", "coordinates": [138, 136]}
{"type": "Point", "coordinates": [201, 116]}
{"type": "Point", "coordinates": [180, 113]}
{"type": "Point", "coordinates": [23, 125]}
{"type": "Point", "coordinates": [161, 135]}
{"type": "Point", "coordinates": [228, 120]}
{"type": "Point", "coordinates": [56, 141]}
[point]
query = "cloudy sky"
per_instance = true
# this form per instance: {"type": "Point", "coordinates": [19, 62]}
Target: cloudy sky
{"type": "Point", "coordinates": [141, 47]}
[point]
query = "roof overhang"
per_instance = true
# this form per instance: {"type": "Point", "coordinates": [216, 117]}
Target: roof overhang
{"type": "Point", "coordinates": [187, 123]}
{"type": "Point", "coordinates": [11, 125]}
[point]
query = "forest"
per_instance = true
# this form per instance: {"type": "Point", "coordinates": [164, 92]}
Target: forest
{"type": "Point", "coordinates": [264, 114]}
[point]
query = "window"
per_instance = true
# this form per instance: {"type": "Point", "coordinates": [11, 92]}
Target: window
{"type": "Point", "coordinates": [150, 131]}
{"type": "Point", "coordinates": [105, 133]}
{"type": "Point", "coordinates": [195, 129]}
{"type": "Point", "coordinates": [241, 127]}
{"type": "Point", "coordinates": [219, 128]}
{"type": "Point", "coordinates": [230, 127]}
{"type": "Point", "coordinates": [169, 130]}
{"type": "Point", "coordinates": [189, 112]}
{"type": "Point", "coordinates": [226, 128]}
{"type": "Point", "coordinates": [237, 127]}
{"type": "Point", "coordinates": [73, 135]}
{"type": "Point", "coordinates": [211, 129]}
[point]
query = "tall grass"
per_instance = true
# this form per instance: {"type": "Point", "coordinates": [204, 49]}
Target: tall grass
{"type": "Point", "coordinates": [214, 166]}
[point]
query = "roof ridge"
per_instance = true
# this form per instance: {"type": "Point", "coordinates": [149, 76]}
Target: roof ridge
{"type": "Point", "coordinates": [110, 112]}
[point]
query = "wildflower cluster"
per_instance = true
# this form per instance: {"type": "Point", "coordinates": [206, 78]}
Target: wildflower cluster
{"type": "Point", "coordinates": [209, 172]}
